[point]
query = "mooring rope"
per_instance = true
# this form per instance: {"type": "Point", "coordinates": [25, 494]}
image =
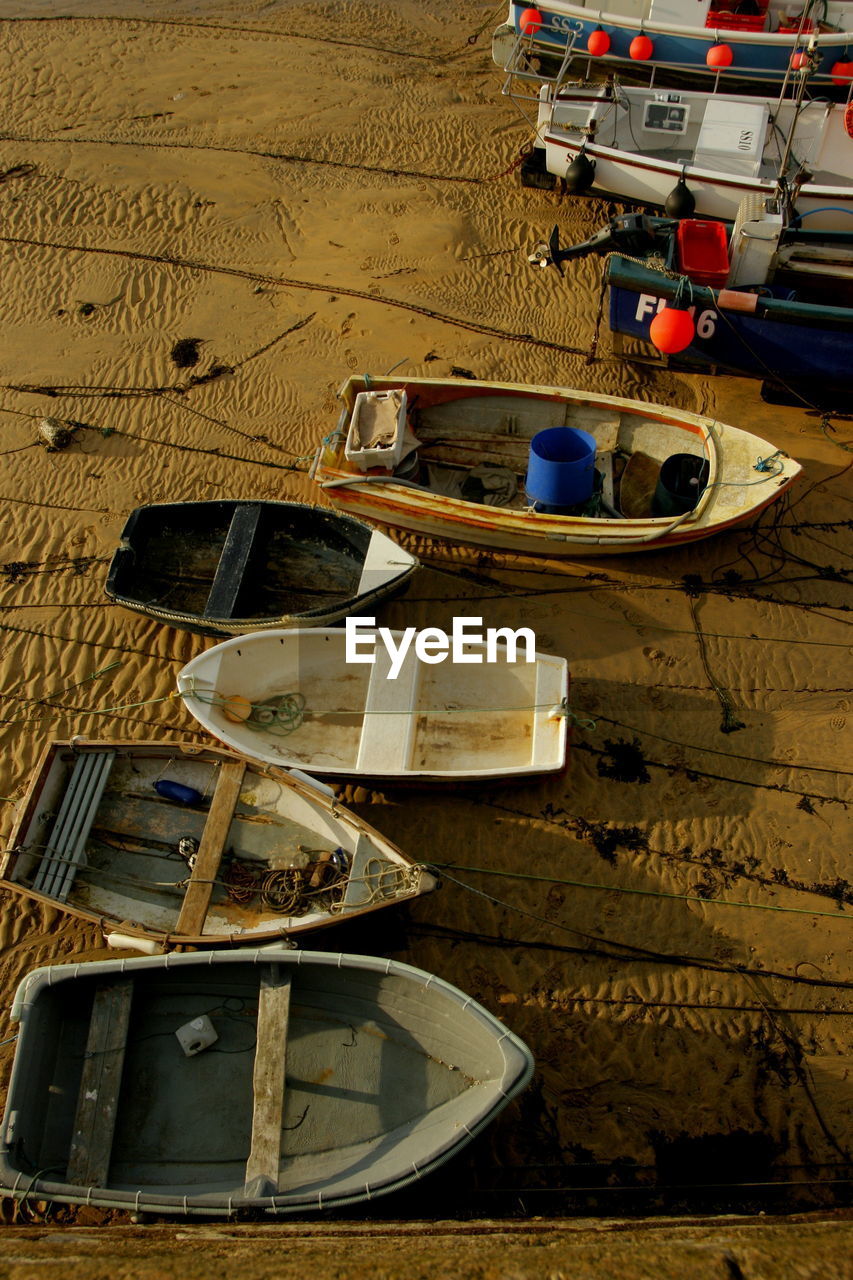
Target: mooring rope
{"type": "Point", "coordinates": [615, 888]}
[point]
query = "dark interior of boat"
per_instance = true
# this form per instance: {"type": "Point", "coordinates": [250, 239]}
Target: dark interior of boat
{"type": "Point", "coordinates": [235, 560]}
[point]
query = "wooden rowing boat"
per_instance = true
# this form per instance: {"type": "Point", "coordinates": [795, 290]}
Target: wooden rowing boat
{"type": "Point", "coordinates": [458, 427]}
{"type": "Point", "coordinates": [169, 844]}
{"type": "Point", "coordinates": [270, 1080]}
{"type": "Point", "coordinates": [291, 698]}
{"type": "Point", "coordinates": [224, 568]}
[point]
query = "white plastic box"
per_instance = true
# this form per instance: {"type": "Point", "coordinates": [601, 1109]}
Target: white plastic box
{"type": "Point", "coordinates": [377, 430]}
{"type": "Point", "coordinates": [731, 138]}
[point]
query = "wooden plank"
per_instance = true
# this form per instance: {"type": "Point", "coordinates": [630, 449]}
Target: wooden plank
{"type": "Point", "coordinates": [210, 850]}
{"type": "Point", "coordinates": [97, 1103]}
{"type": "Point", "coordinates": [234, 561]}
{"type": "Point", "coordinates": [262, 1165]}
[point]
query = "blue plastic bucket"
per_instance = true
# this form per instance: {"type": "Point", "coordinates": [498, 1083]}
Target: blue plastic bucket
{"type": "Point", "coordinates": [561, 467]}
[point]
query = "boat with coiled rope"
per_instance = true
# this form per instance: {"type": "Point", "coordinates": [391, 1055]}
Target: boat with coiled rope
{"type": "Point", "coordinates": [165, 844]}
{"type": "Point", "coordinates": [382, 706]}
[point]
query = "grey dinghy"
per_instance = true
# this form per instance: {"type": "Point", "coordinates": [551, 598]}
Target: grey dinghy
{"type": "Point", "coordinates": [308, 1080]}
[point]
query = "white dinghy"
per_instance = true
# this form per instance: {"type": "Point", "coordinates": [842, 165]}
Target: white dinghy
{"type": "Point", "coordinates": [291, 698]}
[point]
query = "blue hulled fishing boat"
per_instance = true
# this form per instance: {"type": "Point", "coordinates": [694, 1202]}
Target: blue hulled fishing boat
{"type": "Point", "coordinates": [764, 297]}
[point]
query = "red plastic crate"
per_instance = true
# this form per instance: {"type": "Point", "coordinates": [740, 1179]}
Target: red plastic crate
{"type": "Point", "coordinates": [726, 20]}
{"type": "Point", "coordinates": [722, 20]}
{"type": "Point", "coordinates": [702, 251]}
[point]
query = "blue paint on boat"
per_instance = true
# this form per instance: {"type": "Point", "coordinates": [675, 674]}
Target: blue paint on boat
{"type": "Point", "coordinates": [761, 60]}
{"type": "Point", "coordinates": [782, 339]}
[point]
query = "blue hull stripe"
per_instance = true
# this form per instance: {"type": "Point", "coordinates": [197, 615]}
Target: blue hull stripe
{"type": "Point", "coordinates": [759, 61]}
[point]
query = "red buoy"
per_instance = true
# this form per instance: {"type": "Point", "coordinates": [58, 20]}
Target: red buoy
{"type": "Point", "coordinates": [598, 43]}
{"type": "Point", "coordinates": [672, 330]}
{"type": "Point", "coordinates": [799, 60]}
{"type": "Point", "coordinates": [841, 72]}
{"type": "Point", "coordinates": [720, 55]}
{"type": "Point", "coordinates": [641, 48]}
{"type": "Point", "coordinates": [530, 22]}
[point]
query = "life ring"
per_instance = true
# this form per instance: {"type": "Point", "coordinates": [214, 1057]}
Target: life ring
{"type": "Point", "coordinates": [848, 119]}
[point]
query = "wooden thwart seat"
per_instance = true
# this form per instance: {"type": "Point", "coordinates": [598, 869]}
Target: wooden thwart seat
{"type": "Point", "coordinates": [388, 728]}
{"type": "Point", "coordinates": [97, 1103]}
{"type": "Point", "coordinates": [262, 1166]}
{"type": "Point", "coordinates": [62, 857]}
{"type": "Point", "coordinates": [220, 815]}
{"type": "Point", "coordinates": [233, 561]}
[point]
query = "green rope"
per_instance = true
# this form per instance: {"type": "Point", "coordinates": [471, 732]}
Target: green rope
{"type": "Point", "coordinates": [281, 716]}
{"type": "Point", "coordinates": [651, 893]}
{"type": "Point", "coordinates": [129, 706]}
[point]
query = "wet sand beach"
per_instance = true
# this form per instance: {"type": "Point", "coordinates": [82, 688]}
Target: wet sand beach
{"type": "Point", "coordinates": [299, 191]}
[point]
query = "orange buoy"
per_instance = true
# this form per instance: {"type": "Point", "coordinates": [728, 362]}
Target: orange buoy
{"type": "Point", "coordinates": [641, 48]}
{"type": "Point", "coordinates": [530, 22]}
{"type": "Point", "coordinates": [720, 55]}
{"type": "Point", "coordinates": [841, 72]}
{"type": "Point", "coordinates": [236, 708]}
{"type": "Point", "coordinates": [598, 43]}
{"type": "Point", "coordinates": [800, 60]}
{"type": "Point", "coordinates": [672, 330]}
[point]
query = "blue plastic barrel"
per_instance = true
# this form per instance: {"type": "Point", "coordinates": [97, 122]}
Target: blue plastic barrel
{"type": "Point", "coordinates": [561, 467]}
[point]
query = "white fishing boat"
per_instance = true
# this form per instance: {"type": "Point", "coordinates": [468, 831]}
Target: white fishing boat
{"type": "Point", "coordinates": [695, 152]}
{"type": "Point", "coordinates": [291, 698]}
{"type": "Point", "coordinates": [167, 844]}
{"type": "Point", "coordinates": [472, 457]}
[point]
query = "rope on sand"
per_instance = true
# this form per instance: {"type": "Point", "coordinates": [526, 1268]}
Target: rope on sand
{"type": "Point", "coordinates": [614, 888]}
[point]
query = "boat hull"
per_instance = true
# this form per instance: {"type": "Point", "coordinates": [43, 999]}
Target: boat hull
{"type": "Point", "coordinates": [330, 1079]}
{"type": "Point", "coordinates": [311, 705]}
{"type": "Point", "coordinates": [647, 181]}
{"type": "Point", "coordinates": [527, 531]}
{"type": "Point", "coordinates": [225, 568]}
{"type": "Point", "coordinates": [782, 341]}
{"type": "Point", "coordinates": [756, 55]}
{"type": "Point", "coordinates": [112, 857]}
